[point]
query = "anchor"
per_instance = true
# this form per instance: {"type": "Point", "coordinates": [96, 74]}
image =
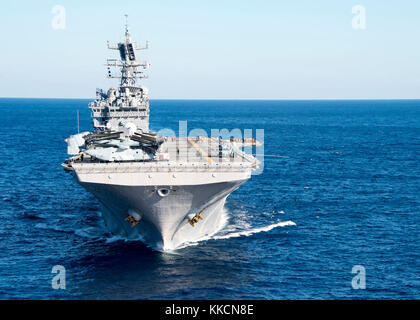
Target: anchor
{"type": "Point", "coordinates": [133, 218]}
{"type": "Point", "coordinates": [195, 219]}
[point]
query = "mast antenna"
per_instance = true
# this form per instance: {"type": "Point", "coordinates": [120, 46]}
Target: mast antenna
{"type": "Point", "coordinates": [126, 24]}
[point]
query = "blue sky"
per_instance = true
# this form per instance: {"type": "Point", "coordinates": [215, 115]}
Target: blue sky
{"type": "Point", "coordinates": [290, 49]}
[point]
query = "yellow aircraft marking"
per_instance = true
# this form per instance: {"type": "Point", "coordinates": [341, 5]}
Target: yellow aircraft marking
{"type": "Point", "coordinates": [204, 154]}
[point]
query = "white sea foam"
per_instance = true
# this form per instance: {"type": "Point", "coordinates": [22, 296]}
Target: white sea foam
{"type": "Point", "coordinates": [112, 239]}
{"type": "Point", "coordinates": [250, 232]}
{"type": "Point", "coordinates": [241, 228]}
{"type": "Point", "coordinates": [89, 233]}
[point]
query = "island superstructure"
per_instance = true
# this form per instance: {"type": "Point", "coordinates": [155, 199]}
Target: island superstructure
{"type": "Point", "coordinates": [162, 190]}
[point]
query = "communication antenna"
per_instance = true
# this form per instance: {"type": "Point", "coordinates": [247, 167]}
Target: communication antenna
{"type": "Point", "coordinates": [126, 22]}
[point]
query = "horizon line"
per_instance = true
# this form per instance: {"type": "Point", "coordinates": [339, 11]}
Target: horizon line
{"type": "Point", "coordinates": [234, 99]}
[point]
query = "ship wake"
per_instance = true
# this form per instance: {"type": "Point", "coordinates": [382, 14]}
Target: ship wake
{"type": "Point", "coordinates": [248, 233]}
{"type": "Point", "coordinates": [240, 227]}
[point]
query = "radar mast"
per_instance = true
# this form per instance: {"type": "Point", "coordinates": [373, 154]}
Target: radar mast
{"type": "Point", "coordinates": [130, 102]}
{"type": "Point", "coordinates": [131, 69]}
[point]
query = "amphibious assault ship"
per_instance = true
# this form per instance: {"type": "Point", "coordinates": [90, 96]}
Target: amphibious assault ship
{"type": "Point", "coordinates": [162, 190]}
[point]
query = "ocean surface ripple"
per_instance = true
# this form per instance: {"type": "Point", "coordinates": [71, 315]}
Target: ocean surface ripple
{"type": "Point", "coordinates": [342, 189]}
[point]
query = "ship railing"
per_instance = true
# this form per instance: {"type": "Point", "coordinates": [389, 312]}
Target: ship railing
{"type": "Point", "coordinates": [119, 114]}
{"type": "Point", "coordinates": [128, 167]}
{"type": "Point", "coordinates": [126, 114]}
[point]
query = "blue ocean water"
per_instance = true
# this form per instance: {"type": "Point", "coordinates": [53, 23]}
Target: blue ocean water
{"type": "Point", "coordinates": [348, 178]}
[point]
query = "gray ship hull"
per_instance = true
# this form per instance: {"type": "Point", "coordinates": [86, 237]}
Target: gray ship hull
{"type": "Point", "coordinates": [164, 223]}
